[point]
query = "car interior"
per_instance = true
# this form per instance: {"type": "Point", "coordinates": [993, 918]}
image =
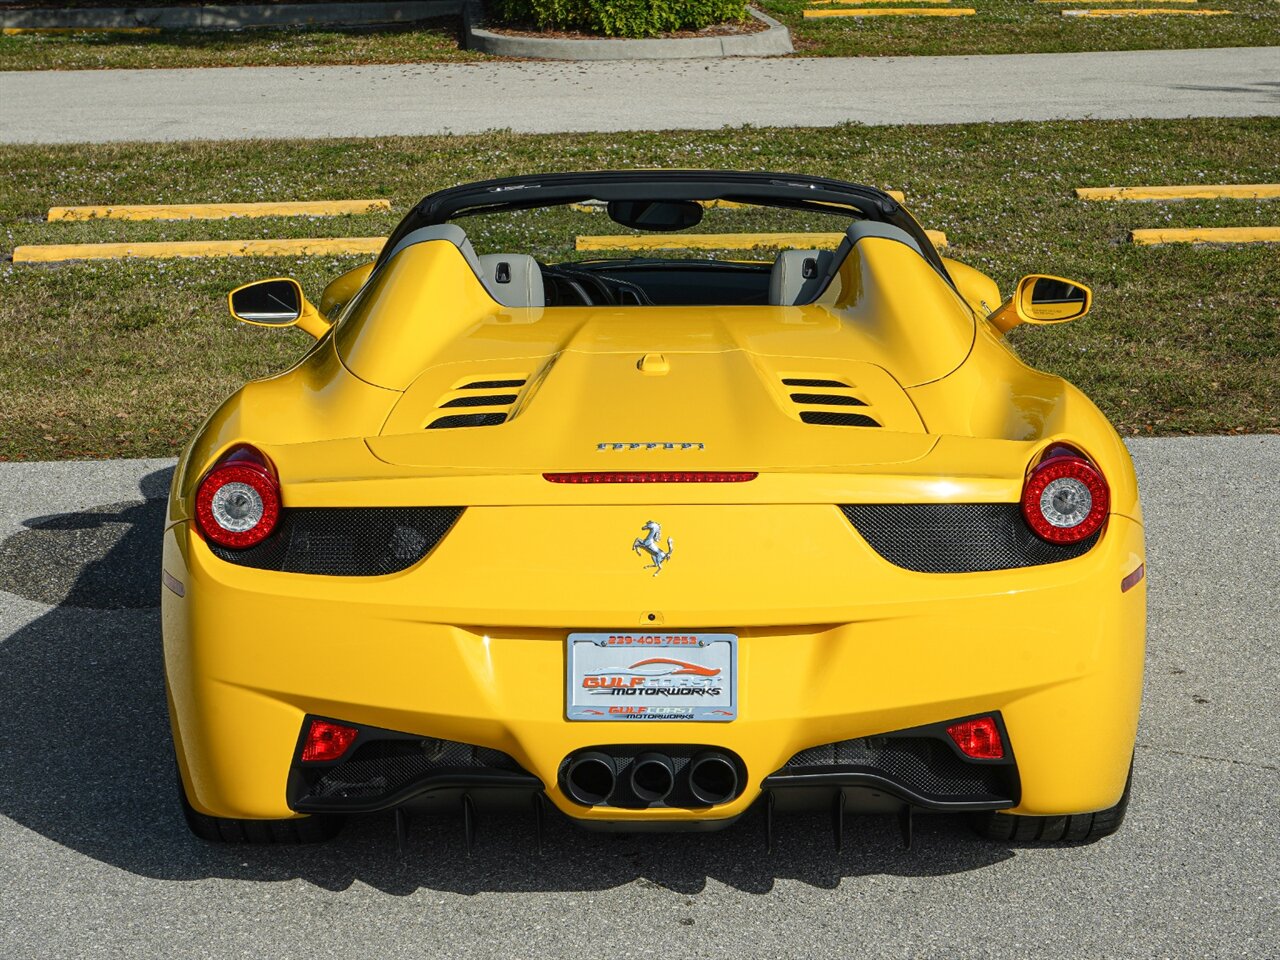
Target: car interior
{"type": "Point", "coordinates": [794, 277]}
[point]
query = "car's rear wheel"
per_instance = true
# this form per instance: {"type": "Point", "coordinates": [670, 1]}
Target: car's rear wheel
{"type": "Point", "coordinates": [1072, 828]}
{"type": "Point", "coordinates": [313, 829]}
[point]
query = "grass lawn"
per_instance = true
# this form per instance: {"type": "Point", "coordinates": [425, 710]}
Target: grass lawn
{"type": "Point", "coordinates": [429, 40]}
{"type": "Point", "coordinates": [124, 358]}
{"type": "Point", "coordinates": [1000, 26]}
{"type": "Point", "coordinates": [1026, 26]}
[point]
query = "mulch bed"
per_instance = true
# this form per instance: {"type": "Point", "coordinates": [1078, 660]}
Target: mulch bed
{"type": "Point", "coordinates": [747, 26]}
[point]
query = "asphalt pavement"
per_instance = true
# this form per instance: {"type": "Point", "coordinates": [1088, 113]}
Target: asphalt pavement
{"type": "Point", "coordinates": [549, 97]}
{"type": "Point", "coordinates": [96, 862]}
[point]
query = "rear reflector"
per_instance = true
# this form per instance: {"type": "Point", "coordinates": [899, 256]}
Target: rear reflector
{"type": "Point", "coordinates": [327, 741]}
{"type": "Point", "coordinates": [978, 738]}
{"type": "Point", "coordinates": [650, 477]}
{"type": "Point", "coordinates": [1133, 579]}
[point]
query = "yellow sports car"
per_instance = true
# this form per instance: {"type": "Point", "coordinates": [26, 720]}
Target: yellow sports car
{"type": "Point", "coordinates": [574, 505]}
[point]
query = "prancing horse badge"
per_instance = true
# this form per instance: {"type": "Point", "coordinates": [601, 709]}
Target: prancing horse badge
{"type": "Point", "coordinates": [651, 543]}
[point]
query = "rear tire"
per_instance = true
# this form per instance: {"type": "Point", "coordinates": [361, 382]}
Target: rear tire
{"type": "Point", "coordinates": [312, 829]}
{"type": "Point", "coordinates": [1071, 828]}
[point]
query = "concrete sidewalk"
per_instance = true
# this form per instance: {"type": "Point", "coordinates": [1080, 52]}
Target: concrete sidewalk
{"type": "Point", "coordinates": [544, 97]}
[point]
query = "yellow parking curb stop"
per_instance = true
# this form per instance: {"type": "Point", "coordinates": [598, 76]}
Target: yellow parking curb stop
{"type": "Point", "coordinates": [725, 241]}
{"type": "Point", "coordinates": [218, 211]}
{"type": "Point", "coordinates": [1206, 235]}
{"type": "Point", "coordinates": [1198, 191]}
{"type": "Point", "coordinates": [332, 246]}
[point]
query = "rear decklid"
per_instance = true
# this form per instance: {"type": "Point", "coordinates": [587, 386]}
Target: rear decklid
{"type": "Point", "coordinates": [490, 388]}
{"type": "Point", "coordinates": [719, 408]}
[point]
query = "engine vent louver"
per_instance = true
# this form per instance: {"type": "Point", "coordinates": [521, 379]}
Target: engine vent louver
{"type": "Point", "coordinates": [811, 382]}
{"type": "Point", "coordinates": [492, 385]}
{"type": "Point", "coordinates": [497, 405]}
{"type": "Point", "coordinates": [835, 393]}
{"type": "Point", "coordinates": [467, 420]}
{"type": "Point", "coordinates": [827, 399]}
{"type": "Point", "coordinates": [829, 418]}
{"type": "Point", "coordinates": [492, 400]}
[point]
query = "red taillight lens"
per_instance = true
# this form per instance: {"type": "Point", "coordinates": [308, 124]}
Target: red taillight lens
{"type": "Point", "coordinates": [1065, 498]}
{"type": "Point", "coordinates": [652, 476]}
{"type": "Point", "coordinates": [238, 501]}
{"type": "Point", "coordinates": [978, 738]}
{"type": "Point", "coordinates": [327, 741]}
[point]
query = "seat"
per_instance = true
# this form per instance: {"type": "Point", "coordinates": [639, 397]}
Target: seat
{"type": "Point", "coordinates": [798, 276]}
{"type": "Point", "coordinates": [802, 276]}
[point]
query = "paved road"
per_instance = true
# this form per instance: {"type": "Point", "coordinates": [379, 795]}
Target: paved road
{"type": "Point", "coordinates": [95, 862]}
{"type": "Point", "coordinates": [276, 102]}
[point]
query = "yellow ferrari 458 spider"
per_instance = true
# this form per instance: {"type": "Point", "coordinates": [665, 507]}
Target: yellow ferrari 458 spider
{"type": "Point", "coordinates": [572, 506]}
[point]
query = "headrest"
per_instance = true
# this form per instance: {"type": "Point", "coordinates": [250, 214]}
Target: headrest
{"type": "Point", "coordinates": [513, 279]}
{"type": "Point", "coordinates": [798, 276]}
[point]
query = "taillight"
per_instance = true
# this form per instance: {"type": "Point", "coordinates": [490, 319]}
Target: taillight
{"type": "Point", "coordinates": [978, 738]}
{"type": "Point", "coordinates": [238, 501]}
{"type": "Point", "coordinates": [327, 741]}
{"type": "Point", "coordinates": [1065, 498]}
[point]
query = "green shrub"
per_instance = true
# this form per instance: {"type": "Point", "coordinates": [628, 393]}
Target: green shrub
{"type": "Point", "coordinates": [619, 18]}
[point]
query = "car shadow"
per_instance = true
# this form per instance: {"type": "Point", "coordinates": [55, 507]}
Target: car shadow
{"type": "Point", "coordinates": [1268, 89]}
{"type": "Point", "coordinates": [86, 760]}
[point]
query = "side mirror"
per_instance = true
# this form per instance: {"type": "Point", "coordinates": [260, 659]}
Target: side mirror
{"type": "Point", "coordinates": [1042, 299]}
{"type": "Point", "coordinates": [275, 303]}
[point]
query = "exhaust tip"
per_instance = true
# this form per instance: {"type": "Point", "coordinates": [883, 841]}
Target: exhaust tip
{"type": "Point", "coordinates": [713, 778]}
{"type": "Point", "coordinates": [653, 775]}
{"type": "Point", "coordinates": [590, 778]}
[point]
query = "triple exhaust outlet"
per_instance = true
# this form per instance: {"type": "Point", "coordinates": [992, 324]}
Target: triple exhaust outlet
{"type": "Point", "coordinates": [709, 778]}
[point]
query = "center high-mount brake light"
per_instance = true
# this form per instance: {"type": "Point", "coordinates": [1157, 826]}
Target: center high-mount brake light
{"type": "Point", "coordinates": [978, 738]}
{"type": "Point", "coordinates": [652, 476]}
{"type": "Point", "coordinates": [1065, 498]}
{"type": "Point", "coordinates": [238, 501]}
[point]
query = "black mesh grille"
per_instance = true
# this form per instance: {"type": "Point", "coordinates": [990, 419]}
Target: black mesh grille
{"type": "Point", "coordinates": [828, 399]}
{"type": "Point", "coordinates": [957, 537]}
{"type": "Point", "coordinates": [925, 764]}
{"type": "Point", "coordinates": [806, 382]}
{"type": "Point", "coordinates": [491, 384]}
{"type": "Point", "coordinates": [493, 400]}
{"type": "Point", "coordinates": [468, 420]}
{"type": "Point", "coordinates": [347, 541]}
{"type": "Point", "coordinates": [384, 767]}
{"type": "Point", "coordinates": [830, 418]}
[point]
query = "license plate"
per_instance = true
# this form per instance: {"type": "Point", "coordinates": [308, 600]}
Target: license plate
{"type": "Point", "coordinates": [652, 676]}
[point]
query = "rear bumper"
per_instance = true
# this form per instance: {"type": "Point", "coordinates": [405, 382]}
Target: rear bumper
{"type": "Point", "coordinates": [1056, 650]}
{"type": "Point", "coordinates": [921, 768]}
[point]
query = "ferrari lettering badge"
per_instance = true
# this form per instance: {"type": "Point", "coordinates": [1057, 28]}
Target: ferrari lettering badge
{"type": "Point", "coordinates": [652, 445]}
{"type": "Point", "coordinates": [651, 544]}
